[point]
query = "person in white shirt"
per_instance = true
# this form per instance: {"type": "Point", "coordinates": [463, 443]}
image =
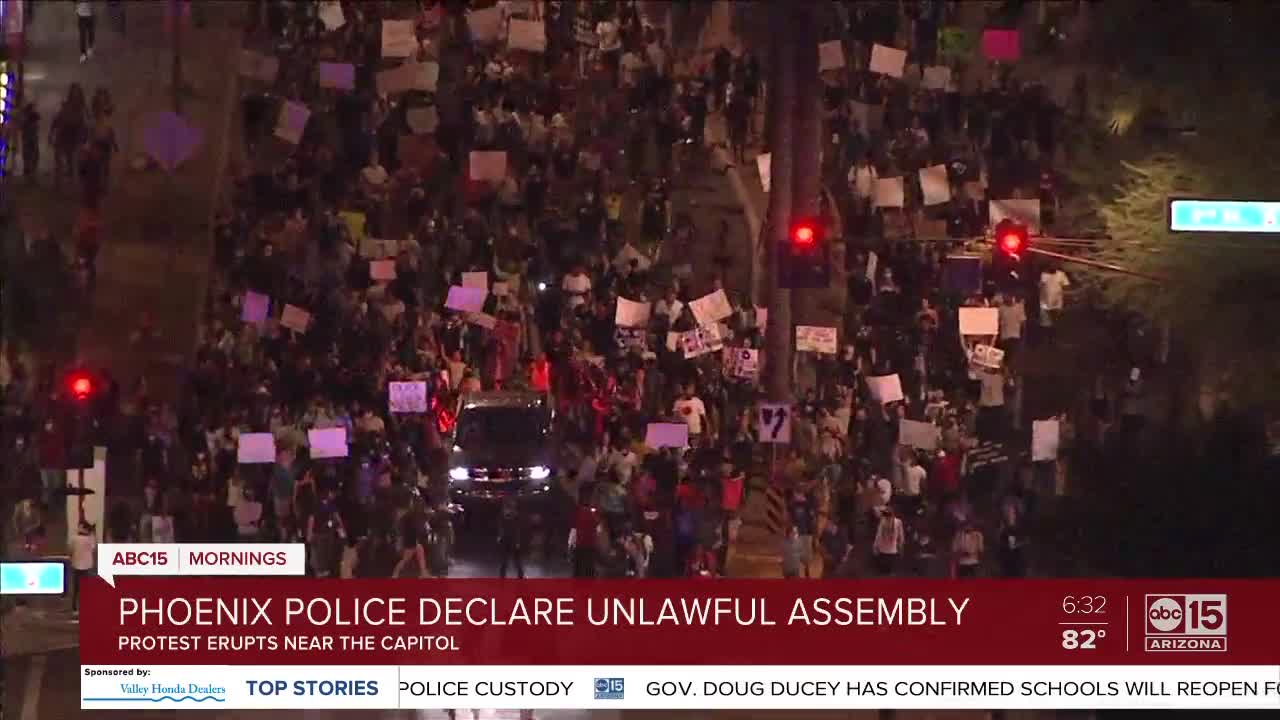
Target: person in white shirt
{"type": "Point", "coordinates": [966, 551]}
{"type": "Point", "coordinates": [84, 553]}
{"type": "Point", "coordinates": [889, 542]}
{"type": "Point", "coordinates": [912, 488]}
{"type": "Point", "coordinates": [85, 23]}
{"type": "Point", "coordinates": [1013, 318]}
{"type": "Point", "coordinates": [689, 408]}
{"type": "Point", "coordinates": [669, 306]}
{"type": "Point", "coordinates": [248, 517]}
{"type": "Point", "coordinates": [862, 182]}
{"type": "Point", "coordinates": [623, 461]}
{"type": "Point", "coordinates": [1052, 284]}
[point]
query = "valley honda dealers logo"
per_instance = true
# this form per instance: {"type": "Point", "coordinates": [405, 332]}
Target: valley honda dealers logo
{"type": "Point", "coordinates": [1186, 623]}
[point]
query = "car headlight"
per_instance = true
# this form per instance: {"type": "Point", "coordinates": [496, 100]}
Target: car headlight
{"type": "Point", "coordinates": [539, 472]}
{"type": "Point", "coordinates": [459, 473]}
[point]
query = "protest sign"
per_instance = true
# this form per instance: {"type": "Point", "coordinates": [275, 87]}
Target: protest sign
{"type": "Point", "coordinates": [355, 222]}
{"type": "Point", "coordinates": [485, 25]}
{"type": "Point", "coordinates": [774, 423]}
{"type": "Point", "coordinates": [255, 307]}
{"type": "Point", "coordinates": [1045, 438]}
{"type": "Point", "coordinates": [338, 76]}
{"type": "Point", "coordinates": [888, 61]}
{"type": "Point", "coordinates": [935, 185]}
{"type": "Point", "coordinates": [382, 270]}
{"type": "Point", "coordinates": [170, 140]}
{"type": "Point", "coordinates": [830, 55]}
{"type": "Point", "coordinates": [1022, 211]}
{"type": "Point", "coordinates": [295, 318]}
{"type": "Point", "coordinates": [529, 35]}
{"type": "Point", "coordinates": [711, 308]}
{"type": "Point", "coordinates": [1002, 45]}
{"type": "Point", "coordinates": [409, 76]}
{"type": "Point", "coordinates": [327, 443]}
{"type": "Point", "coordinates": [956, 42]}
{"type": "Point", "coordinates": [702, 340]}
{"type": "Point", "coordinates": [376, 249]}
{"type": "Point", "coordinates": [484, 320]}
{"type": "Point", "coordinates": [811, 338]}
{"type": "Point", "coordinates": [422, 120]}
{"type": "Point", "coordinates": [465, 299]}
{"type": "Point", "coordinates": [292, 121]}
{"type": "Point", "coordinates": [407, 396]}
{"type": "Point", "coordinates": [399, 40]}
{"type": "Point", "coordinates": [263, 68]}
{"type": "Point", "coordinates": [476, 280]}
{"type": "Point", "coordinates": [331, 15]}
{"type": "Point", "coordinates": [743, 363]}
{"type": "Point", "coordinates": [665, 435]}
{"type": "Point", "coordinates": [937, 77]}
{"type": "Point", "coordinates": [988, 357]}
{"type": "Point", "coordinates": [985, 454]}
{"type": "Point", "coordinates": [919, 435]}
{"type": "Point", "coordinates": [256, 448]}
{"type": "Point", "coordinates": [630, 313]}
{"type": "Point", "coordinates": [631, 338]}
{"type": "Point", "coordinates": [889, 193]}
{"type": "Point", "coordinates": [873, 264]}
{"type": "Point", "coordinates": [488, 165]}
{"type": "Point", "coordinates": [962, 274]}
{"type": "Point", "coordinates": [979, 321]}
{"type": "Point", "coordinates": [885, 388]}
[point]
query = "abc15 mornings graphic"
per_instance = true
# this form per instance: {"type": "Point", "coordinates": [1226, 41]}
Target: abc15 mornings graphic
{"type": "Point", "coordinates": [1185, 623]}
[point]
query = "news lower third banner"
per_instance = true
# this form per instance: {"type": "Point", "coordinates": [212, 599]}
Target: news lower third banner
{"type": "Point", "coordinates": [293, 642]}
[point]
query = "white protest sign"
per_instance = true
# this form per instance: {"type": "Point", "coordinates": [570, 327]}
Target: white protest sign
{"type": "Point", "coordinates": [407, 396]}
{"type": "Point", "coordinates": [764, 165]}
{"type": "Point", "coordinates": [292, 122]}
{"type": "Point", "coordinates": [295, 318]}
{"type": "Point", "coordinates": [488, 165]}
{"type": "Point", "coordinates": [812, 338]}
{"type": "Point", "coordinates": [746, 363]}
{"type": "Point", "coordinates": [1045, 438]}
{"type": "Point", "coordinates": [382, 270]}
{"type": "Point", "coordinates": [701, 340]}
{"type": "Point", "coordinates": [485, 25]}
{"type": "Point", "coordinates": [465, 299]}
{"type": "Point", "coordinates": [830, 55]}
{"type": "Point", "coordinates": [337, 76]}
{"type": "Point", "coordinates": [1023, 211]}
{"type": "Point", "coordinates": [937, 77]}
{"type": "Point", "coordinates": [934, 184]}
{"type": "Point", "coordinates": [987, 357]}
{"type": "Point", "coordinates": [327, 442]}
{"type": "Point", "coordinates": [774, 424]}
{"type": "Point", "coordinates": [331, 15]}
{"type": "Point", "coordinates": [889, 193]}
{"type": "Point", "coordinates": [484, 320]}
{"type": "Point", "coordinates": [979, 321]}
{"type": "Point", "coordinates": [885, 388]}
{"type": "Point", "coordinates": [258, 66]}
{"type": "Point", "coordinates": [422, 121]}
{"type": "Point", "coordinates": [630, 313]}
{"type": "Point", "coordinates": [476, 280]}
{"type": "Point", "coordinates": [530, 35]}
{"type": "Point", "coordinates": [711, 308]}
{"type": "Point", "coordinates": [888, 61]}
{"type": "Point", "coordinates": [664, 435]}
{"type": "Point", "coordinates": [919, 435]}
{"type": "Point", "coordinates": [256, 448]}
{"type": "Point", "coordinates": [399, 39]}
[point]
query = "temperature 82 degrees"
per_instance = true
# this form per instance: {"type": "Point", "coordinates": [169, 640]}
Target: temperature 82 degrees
{"type": "Point", "coordinates": [1083, 622]}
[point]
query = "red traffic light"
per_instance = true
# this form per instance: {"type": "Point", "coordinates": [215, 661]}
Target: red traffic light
{"type": "Point", "coordinates": [1011, 237]}
{"type": "Point", "coordinates": [804, 235]}
{"type": "Point", "coordinates": [81, 385]}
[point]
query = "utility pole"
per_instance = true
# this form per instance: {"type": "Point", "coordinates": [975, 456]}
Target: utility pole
{"type": "Point", "coordinates": [176, 8]}
{"type": "Point", "coordinates": [806, 183]}
{"type": "Point", "coordinates": [781, 113]}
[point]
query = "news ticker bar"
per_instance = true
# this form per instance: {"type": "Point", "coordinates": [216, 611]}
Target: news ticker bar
{"type": "Point", "coordinates": [758, 687]}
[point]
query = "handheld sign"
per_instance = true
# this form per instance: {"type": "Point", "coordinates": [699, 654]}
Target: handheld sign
{"type": "Point", "coordinates": [775, 423]}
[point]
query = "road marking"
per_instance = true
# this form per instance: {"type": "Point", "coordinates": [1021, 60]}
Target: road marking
{"type": "Point", "coordinates": [31, 690]}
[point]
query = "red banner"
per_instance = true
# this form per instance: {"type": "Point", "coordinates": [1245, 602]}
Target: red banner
{"type": "Point", "coordinates": [299, 621]}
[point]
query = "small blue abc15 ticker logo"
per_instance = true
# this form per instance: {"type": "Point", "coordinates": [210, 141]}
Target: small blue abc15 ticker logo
{"type": "Point", "coordinates": [610, 688]}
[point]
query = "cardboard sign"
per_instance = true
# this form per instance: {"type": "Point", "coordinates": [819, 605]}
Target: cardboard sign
{"type": "Point", "coordinates": [332, 16]}
{"type": "Point", "coordinates": [764, 165]}
{"type": "Point", "coordinates": [711, 308]}
{"type": "Point", "coordinates": [937, 77]}
{"type": "Point", "coordinates": [665, 435]}
{"type": "Point", "coordinates": [255, 307]}
{"type": "Point", "coordinates": [295, 318]}
{"type": "Point", "coordinates": [484, 320]}
{"type": "Point", "coordinates": [935, 185]}
{"type": "Point", "coordinates": [1023, 211]}
{"type": "Point", "coordinates": [774, 423]}
{"type": "Point", "coordinates": [889, 193]}
{"type": "Point", "coordinates": [485, 25]}
{"type": "Point", "coordinates": [1002, 45]}
{"type": "Point", "coordinates": [338, 76]}
{"type": "Point", "coordinates": [409, 76]}
{"type": "Point", "coordinates": [979, 321]}
{"type": "Point", "coordinates": [256, 448]}
{"type": "Point", "coordinates": [631, 314]}
{"type": "Point", "coordinates": [1045, 440]}
{"type": "Point", "coordinates": [885, 388]}
{"type": "Point", "coordinates": [292, 122]}
{"type": "Point", "coordinates": [407, 396]}
{"type": "Point", "coordinates": [258, 66]}
{"type": "Point", "coordinates": [475, 280]}
{"type": "Point", "coordinates": [962, 274]}
{"type": "Point", "coordinates": [888, 61]}
{"type": "Point", "coordinates": [830, 55]}
{"type": "Point", "coordinates": [742, 363]}
{"type": "Point", "coordinates": [382, 270]}
{"type": "Point", "coordinates": [919, 435]}
{"type": "Point", "coordinates": [328, 443]}
{"type": "Point", "coordinates": [701, 340]}
{"type": "Point", "coordinates": [811, 338]}
{"type": "Point", "coordinates": [631, 338]}
{"type": "Point", "coordinates": [422, 120]}
{"type": "Point", "coordinates": [529, 35]}
{"type": "Point", "coordinates": [355, 222]}
{"type": "Point", "coordinates": [488, 165]}
{"type": "Point", "coordinates": [465, 299]}
{"type": "Point", "coordinates": [399, 39]}
{"type": "Point", "coordinates": [376, 249]}
{"type": "Point", "coordinates": [987, 356]}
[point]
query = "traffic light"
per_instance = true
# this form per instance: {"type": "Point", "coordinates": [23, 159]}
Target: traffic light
{"type": "Point", "coordinates": [805, 260]}
{"type": "Point", "coordinates": [1011, 238]}
{"type": "Point", "coordinates": [81, 386]}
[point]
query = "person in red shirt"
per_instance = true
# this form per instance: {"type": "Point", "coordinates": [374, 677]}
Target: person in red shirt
{"type": "Point", "coordinates": [946, 473]}
{"type": "Point", "coordinates": [540, 373]}
{"type": "Point", "coordinates": [584, 539]}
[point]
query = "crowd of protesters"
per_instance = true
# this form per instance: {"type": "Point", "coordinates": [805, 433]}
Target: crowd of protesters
{"type": "Point", "coordinates": [598, 130]}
